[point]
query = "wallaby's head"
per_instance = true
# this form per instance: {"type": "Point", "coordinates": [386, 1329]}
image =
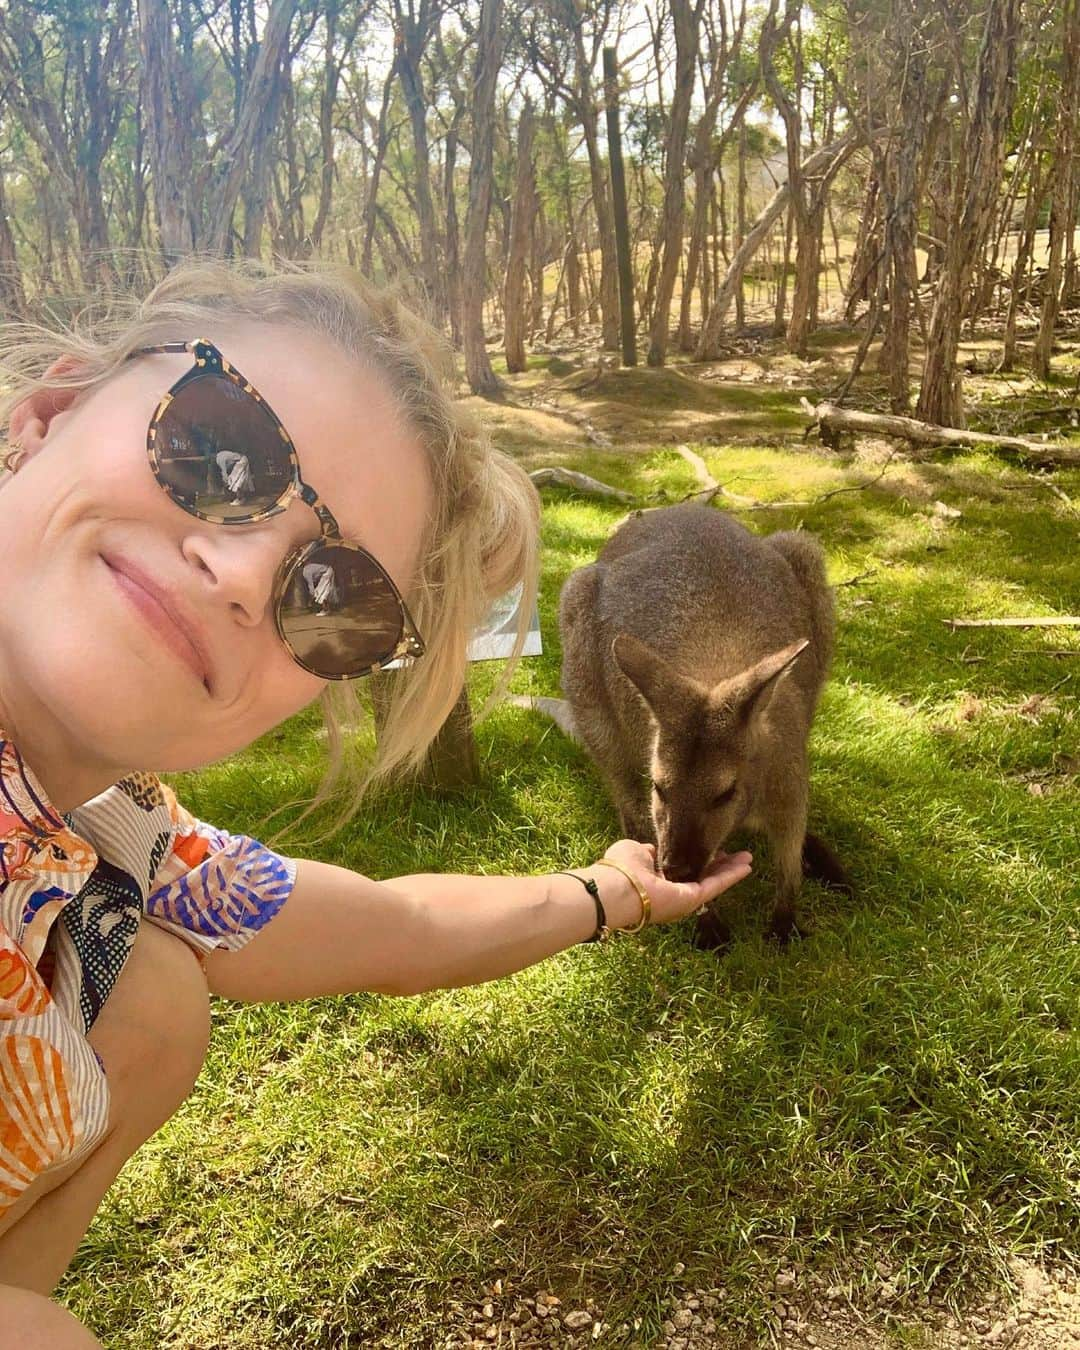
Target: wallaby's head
{"type": "Point", "coordinates": [703, 743]}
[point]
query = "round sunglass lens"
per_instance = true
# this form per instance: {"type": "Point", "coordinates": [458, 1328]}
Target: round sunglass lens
{"type": "Point", "coordinates": [219, 453]}
{"type": "Point", "coordinates": [339, 612]}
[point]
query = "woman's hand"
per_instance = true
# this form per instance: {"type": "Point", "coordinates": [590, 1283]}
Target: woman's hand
{"type": "Point", "coordinates": [670, 899]}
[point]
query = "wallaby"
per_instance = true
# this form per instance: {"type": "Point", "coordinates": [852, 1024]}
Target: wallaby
{"type": "Point", "coordinates": [694, 653]}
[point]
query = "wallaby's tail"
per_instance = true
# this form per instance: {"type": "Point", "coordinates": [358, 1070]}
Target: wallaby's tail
{"type": "Point", "coordinates": [821, 863]}
{"type": "Point", "coordinates": [558, 709]}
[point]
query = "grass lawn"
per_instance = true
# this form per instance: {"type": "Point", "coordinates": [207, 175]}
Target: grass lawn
{"type": "Point", "coordinates": [903, 1086]}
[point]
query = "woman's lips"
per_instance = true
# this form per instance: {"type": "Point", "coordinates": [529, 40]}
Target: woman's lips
{"type": "Point", "coordinates": [161, 613]}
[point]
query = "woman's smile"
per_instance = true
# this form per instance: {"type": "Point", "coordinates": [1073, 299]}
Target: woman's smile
{"type": "Point", "coordinates": [162, 613]}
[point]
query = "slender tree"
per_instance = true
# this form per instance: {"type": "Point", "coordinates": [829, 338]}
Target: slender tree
{"type": "Point", "coordinates": [686, 18]}
{"type": "Point", "coordinates": [481, 377]}
{"type": "Point", "coordinates": [1062, 207]}
{"type": "Point", "coordinates": [522, 225]}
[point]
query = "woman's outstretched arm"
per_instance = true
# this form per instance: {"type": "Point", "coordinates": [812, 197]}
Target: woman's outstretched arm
{"type": "Point", "coordinates": [340, 932]}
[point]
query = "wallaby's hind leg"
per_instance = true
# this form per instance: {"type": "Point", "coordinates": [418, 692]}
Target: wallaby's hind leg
{"type": "Point", "coordinates": [821, 863]}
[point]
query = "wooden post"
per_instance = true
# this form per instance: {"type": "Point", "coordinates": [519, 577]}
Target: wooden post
{"type": "Point", "coordinates": [452, 758]}
{"type": "Point", "coordinates": [618, 197]}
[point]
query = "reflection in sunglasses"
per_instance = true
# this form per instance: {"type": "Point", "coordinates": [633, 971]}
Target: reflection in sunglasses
{"type": "Point", "coordinates": [322, 586]}
{"type": "Point", "coordinates": [236, 475]}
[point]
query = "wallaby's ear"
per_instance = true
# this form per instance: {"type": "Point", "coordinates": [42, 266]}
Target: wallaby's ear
{"type": "Point", "coordinates": [659, 685]}
{"type": "Point", "coordinates": [750, 692]}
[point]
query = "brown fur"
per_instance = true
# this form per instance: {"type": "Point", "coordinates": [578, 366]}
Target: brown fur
{"type": "Point", "coordinates": [694, 653]}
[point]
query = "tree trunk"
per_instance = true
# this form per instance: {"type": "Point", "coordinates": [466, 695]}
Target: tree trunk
{"type": "Point", "coordinates": [328, 91]}
{"type": "Point", "coordinates": [453, 232]}
{"type": "Point", "coordinates": [245, 152]}
{"type": "Point", "coordinates": [864, 258]}
{"type": "Point", "coordinates": [573, 277]}
{"type": "Point", "coordinates": [834, 418]}
{"type": "Point", "coordinates": [687, 21]}
{"type": "Point", "coordinates": [1024, 248]}
{"type": "Point", "coordinates": [901, 193]}
{"type": "Point", "coordinates": [807, 199]}
{"type": "Point", "coordinates": [170, 146]}
{"type": "Point", "coordinates": [740, 222]}
{"type": "Point", "coordinates": [257, 183]}
{"type": "Point", "coordinates": [941, 395]}
{"type": "Point", "coordinates": [585, 106]}
{"type": "Point", "coordinates": [481, 377]}
{"type": "Point", "coordinates": [537, 256]}
{"type": "Point", "coordinates": [780, 308]}
{"type": "Point", "coordinates": [832, 155]}
{"type": "Point", "coordinates": [1061, 222]}
{"type": "Point", "coordinates": [12, 295]}
{"type": "Point", "coordinates": [620, 217]}
{"type": "Point", "coordinates": [381, 144]}
{"type": "Point", "coordinates": [521, 228]}
{"type": "Point", "coordinates": [410, 39]}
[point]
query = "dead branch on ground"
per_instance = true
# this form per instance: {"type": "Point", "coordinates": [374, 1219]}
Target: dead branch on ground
{"type": "Point", "coordinates": [832, 418]}
{"type": "Point", "coordinates": [1062, 621]}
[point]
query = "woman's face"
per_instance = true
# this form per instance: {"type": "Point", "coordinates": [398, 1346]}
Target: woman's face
{"type": "Point", "coordinates": [133, 635]}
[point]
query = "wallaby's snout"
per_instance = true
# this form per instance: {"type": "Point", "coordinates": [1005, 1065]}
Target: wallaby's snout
{"type": "Point", "coordinates": [696, 821]}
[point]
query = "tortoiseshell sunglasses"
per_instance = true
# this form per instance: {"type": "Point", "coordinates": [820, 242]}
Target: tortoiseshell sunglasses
{"type": "Point", "coordinates": [220, 452]}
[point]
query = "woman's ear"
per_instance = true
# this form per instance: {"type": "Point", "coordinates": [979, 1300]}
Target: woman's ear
{"type": "Point", "coordinates": [32, 417]}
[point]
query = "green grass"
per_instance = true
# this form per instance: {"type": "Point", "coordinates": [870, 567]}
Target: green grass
{"type": "Point", "coordinates": [903, 1085]}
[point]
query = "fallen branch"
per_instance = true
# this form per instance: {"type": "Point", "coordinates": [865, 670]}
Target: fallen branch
{"type": "Point", "coordinates": [924, 433]}
{"type": "Point", "coordinates": [556, 476]}
{"type": "Point", "coordinates": [859, 578]}
{"type": "Point", "coordinates": [709, 486]}
{"type": "Point", "coordinates": [1064, 621]}
{"type": "Point", "coordinates": [1035, 482]}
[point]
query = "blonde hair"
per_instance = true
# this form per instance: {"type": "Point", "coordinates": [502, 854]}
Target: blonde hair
{"type": "Point", "coordinates": [481, 538]}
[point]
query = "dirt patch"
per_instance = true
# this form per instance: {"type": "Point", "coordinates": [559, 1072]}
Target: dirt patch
{"type": "Point", "coordinates": [1043, 1313]}
{"type": "Point", "coordinates": [639, 408]}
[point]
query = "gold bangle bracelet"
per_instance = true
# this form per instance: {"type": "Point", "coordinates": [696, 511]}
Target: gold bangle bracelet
{"type": "Point", "coordinates": [646, 903]}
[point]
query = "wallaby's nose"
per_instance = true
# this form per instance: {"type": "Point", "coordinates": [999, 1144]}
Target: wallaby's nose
{"type": "Point", "coordinates": [679, 869]}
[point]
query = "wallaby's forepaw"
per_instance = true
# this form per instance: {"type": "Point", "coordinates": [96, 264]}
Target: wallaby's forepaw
{"type": "Point", "coordinates": [784, 927]}
{"type": "Point", "coordinates": [712, 932]}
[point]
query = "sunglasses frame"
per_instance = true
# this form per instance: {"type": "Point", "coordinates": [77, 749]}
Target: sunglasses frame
{"type": "Point", "coordinates": [209, 362]}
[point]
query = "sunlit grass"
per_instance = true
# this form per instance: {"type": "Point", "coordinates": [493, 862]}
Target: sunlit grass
{"type": "Point", "coordinates": [903, 1084]}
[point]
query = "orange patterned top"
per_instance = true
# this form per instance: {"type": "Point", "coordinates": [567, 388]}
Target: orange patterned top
{"type": "Point", "coordinates": [73, 890]}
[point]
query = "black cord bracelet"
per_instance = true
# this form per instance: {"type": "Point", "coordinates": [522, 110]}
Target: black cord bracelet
{"type": "Point", "coordinates": [603, 932]}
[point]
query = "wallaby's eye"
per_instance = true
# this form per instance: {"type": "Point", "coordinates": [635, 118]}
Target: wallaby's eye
{"type": "Point", "coordinates": [659, 792]}
{"type": "Point", "coordinates": [722, 798]}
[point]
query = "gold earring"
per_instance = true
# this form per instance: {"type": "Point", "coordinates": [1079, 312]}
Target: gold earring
{"type": "Point", "coordinates": [14, 456]}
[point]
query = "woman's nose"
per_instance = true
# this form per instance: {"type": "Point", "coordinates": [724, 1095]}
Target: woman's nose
{"type": "Point", "coordinates": [238, 564]}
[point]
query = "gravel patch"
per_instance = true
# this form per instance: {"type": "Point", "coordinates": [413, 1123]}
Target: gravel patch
{"type": "Point", "coordinates": [808, 1313]}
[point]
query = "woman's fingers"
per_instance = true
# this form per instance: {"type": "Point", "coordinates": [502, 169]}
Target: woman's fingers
{"type": "Point", "coordinates": [723, 874]}
{"type": "Point", "coordinates": [671, 899]}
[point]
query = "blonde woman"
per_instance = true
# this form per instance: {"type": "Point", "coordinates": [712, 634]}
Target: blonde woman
{"type": "Point", "coordinates": [159, 614]}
